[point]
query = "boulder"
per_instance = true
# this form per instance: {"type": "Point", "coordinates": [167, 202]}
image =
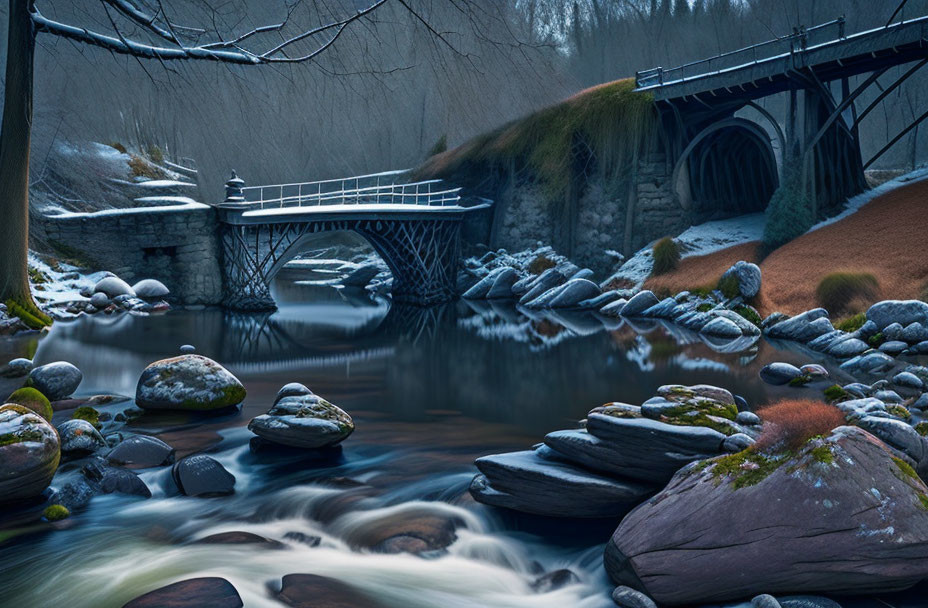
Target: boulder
{"type": "Point", "coordinates": [200, 475]}
{"type": "Point", "coordinates": [150, 289]}
{"type": "Point", "coordinates": [848, 348]}
{"type": "Point", "coordinates": [574, 292]}
{"type": "Point", "coordinates": [482, 287]}
{"type": "Point", "coordinates": [779, 373]}
{"type": "Point", "coordinates": [842, 514]}
{"type": "Point", "coordinates": [55, 380]}
{"type": "Point", "coordinates": [904, 312]}
{"type": "Point", "coordinates": [32, 399]}
{"type": "Point", "coordinates": [908, 380]}
{"type": "Point", "coordinates": [112, 287]}
{"type": "Point", "coordinates": [79, 438]}
{"type": "Point", "coordinates": [914, 333]}
{"type": "Point", "coordinates": [293, 389]}
{"type": "Point", "coordinates": [237, 537]}
{"type": "Point", "coordinates": [188, 382]}
{"type": "Point", "coordinates": [16, 368]}
{"type": "Point", "coordinates": [893, 347]}
{"type": "Point", "coordinates": [527, 482]}
{"type": "Point", "coordinates": [548, 279]}
{"type": "Point", "coordinates": [899, 435]}
{"type": "Point", "coordinates": [303, 421]}
{"type": "Point", "coordinates": [748, 276]}
{"type": "Point", "coordinates": [192, 593]}
{"type": "Point", "coordinates": [803, 327]}
{"type": "Point", "coordinates": [872, 362]}
{"type": "Point", "coordinates": [29, 453]}
{"type": "Point", "coordinates": [639, 303]}
{"type": "Point", "coordinates": [100, 300]}
{"type": "Point", "coordinates": [626, 597]}
{"type": "Point", "coordinates": [614, 309]}
{"type": "Point", "coordinates": [545, 299]}
{"type": "Point", "coordinates": [893, 331]}
{"type": "Point", "coordinates": [141, 452]}
{"type": "Point", "coordinates": [114, 480]}
{"type": "Point", "coordinates": [599, 301]}
{"type": "Point", "coordinates": [502, 286]}
{"type": "Point", "coordinates": [721, 327]}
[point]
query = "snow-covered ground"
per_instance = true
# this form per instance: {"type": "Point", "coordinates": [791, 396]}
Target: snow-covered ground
{"type": "Point", "coordinates": [714, 236]}
{"type": "Point", "coordinates": [63, 283]}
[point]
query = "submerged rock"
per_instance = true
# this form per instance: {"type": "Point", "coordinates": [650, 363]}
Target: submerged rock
{"type": "Point", "coordinates": [201, 475]}
{"type": "Point", "coordinates": [840, 514]}
{"type": "Point", "coordinates": [310, 591]}
{"type": "Point", "coordinates": [188, 382]}
{"type": "Point", "coordinates": [29, 453]}
{"type": "Point", "coordinates": [55, 380]}
{"type": "Point", "coordinates": [192, 593]}
{"type": "Point", "coordinates": [303, 421]}
{"type": "Point", "coordinates": [779, 373]}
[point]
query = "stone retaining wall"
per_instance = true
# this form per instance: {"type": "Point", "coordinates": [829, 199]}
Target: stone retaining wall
{"type": "Point", "coordinates": [177, 245]}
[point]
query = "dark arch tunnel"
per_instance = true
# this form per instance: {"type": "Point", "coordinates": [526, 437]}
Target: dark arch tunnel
{"type": "Point", "coordinates": [732, 170]}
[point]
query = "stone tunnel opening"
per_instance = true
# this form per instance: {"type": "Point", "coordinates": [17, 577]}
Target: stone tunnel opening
{"type": "Point", "coordinates": [732, 171]}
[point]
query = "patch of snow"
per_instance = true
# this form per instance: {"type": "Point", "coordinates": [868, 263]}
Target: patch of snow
{"type": "Point", "coordinates": [357, 208]}
{"type": "Point", "coordinates": [173, 200]}
{"type": "Point", "coordinates": [134, 210]}
{"type": "Point", "coordinates": [164, 183]}
{"type": "Point", "coordinates": [64, 283]}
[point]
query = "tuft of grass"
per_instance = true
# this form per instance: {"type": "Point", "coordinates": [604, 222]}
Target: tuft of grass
{"type": "Point", "coordinates": [155, 154]}
{"type": "Point", "coordinates": [876, 339]}
{"type": "Point", "coordinates": [750, 314]}
{"type": "Point", "coordinates": [540, 264]}
{"type": "Point", "coordinates": [799, 381]}
{"type": "Point", "coordinates": [118, 147]}
{"type": "Point", "coordinates": [666, 254]}
{"type": "Point", "coordinates": [139, 167]}
{"type": "Point", "coordinates": [852, 323]}
{"type": "Point", "coordinates": [789, 424]}
{"type": "Point", "coordinates": [843, 292]}
{"type": "Point", "coordinates": [836, 392]}
{"type": "Point", "coordinates": [439, 147]}
{"type": "Point", "coordinates": [729, 286]}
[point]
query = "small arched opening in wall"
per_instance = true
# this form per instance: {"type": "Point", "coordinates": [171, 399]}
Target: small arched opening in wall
{"type": "Point", "coordinates": [729, 168]}
{"type": "Point", "coordinates": [324, 266]}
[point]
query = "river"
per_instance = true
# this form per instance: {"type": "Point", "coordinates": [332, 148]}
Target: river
{"type": "Point", "coordinates": [429, 391]}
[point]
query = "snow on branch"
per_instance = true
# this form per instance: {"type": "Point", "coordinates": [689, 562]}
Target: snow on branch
{"type": "Point", "coordinates": [228, 51]}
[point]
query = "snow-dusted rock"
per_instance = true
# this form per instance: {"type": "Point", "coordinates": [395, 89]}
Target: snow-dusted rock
{"type": "Point", "coordinates": [614, 309]}
{"type": "Point", "coordinates": [908, 380]}
{"type": "Point", "coordinates": [112, 287]}
{"type": "Point", "coordinates": [748, 276]}
{"type": "Point", "coordinates": [55, 380]}
{"type": "Point", "coordinates": [900, 435]}
{"type": "Point", "coordinates": [914, 333]}
{"type": "Point", "coordinates": [502, 285]}
{"type": "Point", "coordinates": [639, 303]}
{"type": "Point", "coordinates": [547, 280]}
{"type": "Point", "coordinates": [904, 312]}
{"type": "Point", "coordinates": [779, 373]}
{"type": "Point", "coordinates": [893, 347]}
{"type": "Point", "coordinates": [803, 327]}
{"type": "Point", "coordinates": [303, 421]}
{"type": "Point", "coordinates": [188, 382]}
{"type": "Point", "coordinates": [29, 453]}
{"type": "Point", "coordinates": [871, 362]}
{"type": "Point", "coordinates": [574, 292]}
{"type": "Point", "coordinates": [893, 332]}
{"type": "Point", "coordinates": [16, 368]}
{"type": "Point", "coordinates": [150, 289]}
{"type": "Point", "coordinates": [662, 310]}
{"type": "Point", "coordinates": [79, 437]}
{"type": "Point", "coordinates": [848, 348]}
{"type": "Point", "coordinates": [721, 328]}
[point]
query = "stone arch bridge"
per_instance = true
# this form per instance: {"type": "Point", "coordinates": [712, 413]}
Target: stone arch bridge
{"type": "Point", "coordinates": [227, 254]}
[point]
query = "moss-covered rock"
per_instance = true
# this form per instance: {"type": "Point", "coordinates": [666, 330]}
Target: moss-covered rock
{"type": "Point", "coordinates": [56, 513]}
{"type": "Point", "coordinates": [32, 399]}
{"type": "Point", "coordinates": [779, 524]}
{"type": "Point", "coordinates": [29, 453]}
{"type": "Point", "coordinates": [87, 413]}
{"type": "Point", "coordinates": [188, 382]}
{"type": "Point", "coordinates": [303, 421]}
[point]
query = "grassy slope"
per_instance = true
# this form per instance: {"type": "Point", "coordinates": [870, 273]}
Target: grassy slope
{"type": "Point", "coordinates": [887, 237]}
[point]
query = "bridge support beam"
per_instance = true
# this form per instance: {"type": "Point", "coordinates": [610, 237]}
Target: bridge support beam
{"type": "Point", "coordinates": [422, 253]}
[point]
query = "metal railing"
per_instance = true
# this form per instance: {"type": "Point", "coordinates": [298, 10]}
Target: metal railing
{"type": "Point", "coordinates": [375, 189]}
{"type": "Point", "coordinates": [798, 41]}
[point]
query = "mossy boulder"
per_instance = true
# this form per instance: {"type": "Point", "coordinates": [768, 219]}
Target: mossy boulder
{"type": "Point", "coordinates": [32, 399]}
{"type": "Point", "coordinates": [303, 421]}
{"type": "Point", "coordinates": [838, 514]}
{"type": "Point", "coordinates": [29, 453]}
{"type": "Point", "coordinates": [188, 382]}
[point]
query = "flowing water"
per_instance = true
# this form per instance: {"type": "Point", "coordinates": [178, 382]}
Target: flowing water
{"type": "Point", "coordinates": [429, 391]}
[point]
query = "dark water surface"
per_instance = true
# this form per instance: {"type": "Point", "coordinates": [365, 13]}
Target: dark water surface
{"type": "Point", "coordinates": [429, 392]}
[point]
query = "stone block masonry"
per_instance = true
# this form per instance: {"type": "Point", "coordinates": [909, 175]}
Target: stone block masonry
{"type": "Point", "coordinates": [178, 245]}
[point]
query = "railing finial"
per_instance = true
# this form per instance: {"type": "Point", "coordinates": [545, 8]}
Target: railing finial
{"type": "Point", "coordinates": [234, 187]}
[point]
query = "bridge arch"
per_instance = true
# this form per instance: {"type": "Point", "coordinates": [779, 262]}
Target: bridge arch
{"type": "Point", "coordinates": [710, 177]}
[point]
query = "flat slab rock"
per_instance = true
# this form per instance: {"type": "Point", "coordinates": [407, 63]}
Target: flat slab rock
{"type": "Point", "coordinates": [840, 515]}
{"type": "Point", "coordinates": [524, 481]}
{"type": "Point", "coordinates": [193, 593]}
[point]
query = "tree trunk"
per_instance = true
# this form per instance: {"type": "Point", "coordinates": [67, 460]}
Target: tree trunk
{"type": "Point", "coordinates": [15, 135]}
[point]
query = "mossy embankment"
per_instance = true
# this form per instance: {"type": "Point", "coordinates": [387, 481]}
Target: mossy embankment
{"type": "Point", "coordinates": [599, 130]}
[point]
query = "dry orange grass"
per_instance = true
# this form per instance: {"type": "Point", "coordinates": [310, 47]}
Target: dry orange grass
{"type": "Point", "coordinates": [789, 424]}
{"type": "Point", "coordinates": [885, 238]}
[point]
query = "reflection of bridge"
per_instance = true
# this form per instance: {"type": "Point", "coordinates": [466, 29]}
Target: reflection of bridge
{"type": "Point", "coordinates": [718, 159]}
{"type": "Point", "coordinates": [415, 227]}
